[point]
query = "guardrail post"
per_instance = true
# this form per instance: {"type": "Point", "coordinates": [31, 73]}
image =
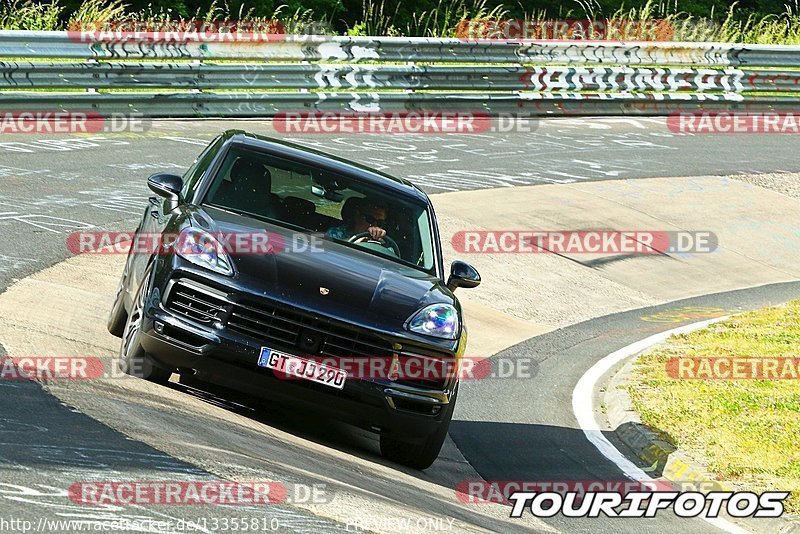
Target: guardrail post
{"type": "Point", "coordinates": [92, 61]}
{"type": "Point", "coordinates": [197, 62]}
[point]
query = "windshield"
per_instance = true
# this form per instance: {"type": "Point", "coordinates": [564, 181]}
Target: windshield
{"type": "Point", "coordinates": [340, 208]}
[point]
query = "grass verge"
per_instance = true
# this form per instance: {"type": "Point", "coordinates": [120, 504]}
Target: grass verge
{"type": "Point", "coordinates": [745, 431]}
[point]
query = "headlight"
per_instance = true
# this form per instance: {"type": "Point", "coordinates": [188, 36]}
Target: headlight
{"type": "Point", "coordinates": [203, 249]}
{"type": "Point", "coordinates": [438, 320]}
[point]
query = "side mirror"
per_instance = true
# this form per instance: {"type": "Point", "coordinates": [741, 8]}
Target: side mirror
{"type": "Point", "coordinates": [168, 186]}
{"type": "Point", "coordinates": [463, 274]}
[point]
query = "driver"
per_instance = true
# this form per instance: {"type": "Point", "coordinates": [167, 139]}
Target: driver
{"type": "Point", "coordinates": [360, 215]}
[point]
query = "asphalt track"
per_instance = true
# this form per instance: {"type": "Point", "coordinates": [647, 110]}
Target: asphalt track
{"type": "Point", "coordinates": [55, 185]}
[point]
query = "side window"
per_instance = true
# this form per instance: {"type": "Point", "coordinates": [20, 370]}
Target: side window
{"type": "Point", "coordinates": [192, 177]}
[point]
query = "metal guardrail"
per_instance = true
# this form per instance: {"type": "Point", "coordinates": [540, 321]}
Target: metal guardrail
{"type": "Point", "coordinates": [114, 75]}
{"type": "Point", "coordinates": [322, 73]}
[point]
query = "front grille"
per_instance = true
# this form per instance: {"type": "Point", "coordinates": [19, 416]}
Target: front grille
{"type": "Point", "coordinates": [280, 326]}
{"type": "Point", "coordinates": [196, 304]}
{"type": "Point", "coordinates": [271, 323]}
{"type": "Point", "coordinates": [262, 325]}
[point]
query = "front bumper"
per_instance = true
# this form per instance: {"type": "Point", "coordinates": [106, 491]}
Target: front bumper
{"type": "Point", "coordinates": [215, 354]}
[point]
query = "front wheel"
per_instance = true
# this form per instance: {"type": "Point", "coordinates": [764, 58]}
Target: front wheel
{"type": "Point", "coordinates": [420, 455]}
{"type": "Point", "coordinates": [132, 358]}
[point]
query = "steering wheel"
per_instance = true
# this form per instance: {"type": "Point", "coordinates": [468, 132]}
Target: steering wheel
{"type": "Point", "coordinates": [365, 236]}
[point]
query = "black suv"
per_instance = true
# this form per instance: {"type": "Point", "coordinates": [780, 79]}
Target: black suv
{"type": "Point", "coordinates": [279, 271]}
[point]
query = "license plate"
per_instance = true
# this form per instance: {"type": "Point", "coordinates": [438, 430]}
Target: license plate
{"type": "Point", "coordinates": [302, 368]}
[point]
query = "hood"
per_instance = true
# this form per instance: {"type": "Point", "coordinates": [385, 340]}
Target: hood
{"type": "Point", "coordinates": [329, 278]}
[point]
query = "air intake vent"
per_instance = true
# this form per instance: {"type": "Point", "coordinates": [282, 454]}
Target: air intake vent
{"type": "Point", "coordinates": [195, 304]}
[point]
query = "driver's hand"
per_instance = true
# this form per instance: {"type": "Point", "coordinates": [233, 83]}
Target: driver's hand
{"type": "Point", "coordinates": [376, 232]}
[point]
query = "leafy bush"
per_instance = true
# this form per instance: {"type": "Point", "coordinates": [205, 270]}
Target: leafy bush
{"type": "Point", "coordinates": [29, 15]}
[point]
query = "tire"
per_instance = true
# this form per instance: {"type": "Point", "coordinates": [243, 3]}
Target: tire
{"type": "Point", "coordinates": [419, 455]}
{"type": "Point", "coordinates": [132, 358]}
{"type": "Point", "coordinates": [118, 316]}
